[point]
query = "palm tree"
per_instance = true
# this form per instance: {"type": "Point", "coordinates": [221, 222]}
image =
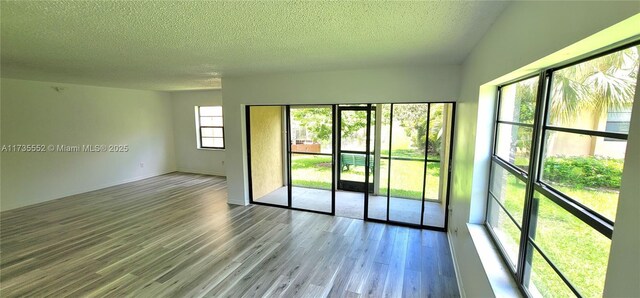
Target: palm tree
{"type": "Point", "coordinates": [603, 84]}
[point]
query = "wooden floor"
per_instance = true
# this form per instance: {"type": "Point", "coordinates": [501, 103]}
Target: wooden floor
{"type": "Point", "coordinates": [174, 235]}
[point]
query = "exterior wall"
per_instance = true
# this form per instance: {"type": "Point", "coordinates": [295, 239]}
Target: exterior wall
{"type": "Point", "coordinates": [573, 144]}
{"type": "Point", "coordinates": [580, 145]}
{"type": "Point", "coordinates": [266, 149]}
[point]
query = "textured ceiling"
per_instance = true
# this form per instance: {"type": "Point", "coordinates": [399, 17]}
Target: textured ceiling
{"type": "Point", "coordinates": [162, 45]}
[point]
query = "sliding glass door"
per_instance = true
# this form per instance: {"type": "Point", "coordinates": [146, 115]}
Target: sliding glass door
{"type": "Point", "coordinates": [378, 162]}
{"type": "Point", "coordinates": [311, 154]}
{"type": "Point", "coordinates": [413, 178]}
{"type": "Point", "coordinates": [406, 155]}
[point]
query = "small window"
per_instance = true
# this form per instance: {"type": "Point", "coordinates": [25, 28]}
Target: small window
{"type": "Point", "coordinates": [618, 121]}
{"type": "Point", "coordinates": [210, 127]}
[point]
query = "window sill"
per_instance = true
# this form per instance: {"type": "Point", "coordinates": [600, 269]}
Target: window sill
{"type": "Point", "coordinates": [210, 149]}
{"type": "Point", "coordinates": [498, 273]}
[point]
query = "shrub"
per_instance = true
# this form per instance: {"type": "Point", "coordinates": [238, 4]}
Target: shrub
{"type": "Point", "coordinates": [595, 172]}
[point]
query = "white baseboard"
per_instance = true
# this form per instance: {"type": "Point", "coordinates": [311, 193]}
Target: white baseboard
{"type": "Point", "coordinates": [456, 269]}
{"type": "Point", "coordinates": [193, 171]}
{"type": "Point", "coordinates": [93, 188]}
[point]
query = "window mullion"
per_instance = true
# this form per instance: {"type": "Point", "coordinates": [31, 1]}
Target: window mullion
{"type": "Point", "coordinates": [595, 222]}
{"type": "Point", "coordinates": [492, 196]}
{"type": "Point", "coordinates": [521, 174]}
{"type": "Point", "coordinates": [555, 269]}
{"type": "Point", "coordinates": [539, 120]}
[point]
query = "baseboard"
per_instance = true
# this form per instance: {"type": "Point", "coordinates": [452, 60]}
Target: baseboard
{"type": "Point", "coordinates": [456, 269]}
{"type": "Point", "coordinates": [192, 171]}
{"type": "Point", "coordinates": [94, 188]}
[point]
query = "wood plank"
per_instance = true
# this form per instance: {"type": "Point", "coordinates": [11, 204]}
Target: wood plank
{"type": "Point", "coordinates": [175, 235]}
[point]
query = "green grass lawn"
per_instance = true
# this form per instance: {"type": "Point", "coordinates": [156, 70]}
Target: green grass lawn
{"type": "Point", "coordinates": [406, 175]}
{"type": "Point", "coordinates": [580, 252]}
{"type": "Point", "coordinates": [311, 171]}
{"type": "Point", "coordinates": [408, 153]}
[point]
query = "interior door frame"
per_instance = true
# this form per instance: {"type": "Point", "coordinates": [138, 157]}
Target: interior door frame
{"type": "Point", "coordinates": [339, 151]}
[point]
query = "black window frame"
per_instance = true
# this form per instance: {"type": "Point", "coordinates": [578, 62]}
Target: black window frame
{"type": "Point", "coordinates": [200, 127]}
{"type": "Point", "coordinates": [533, 177]}
{"type": "Point", "coordinates": [335, 145]}
{"type": "Point", "coordinates": [514, 170]}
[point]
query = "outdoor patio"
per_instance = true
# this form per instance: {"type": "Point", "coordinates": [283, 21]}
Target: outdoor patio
{"type": "Point", "coordinates": [351, 204]}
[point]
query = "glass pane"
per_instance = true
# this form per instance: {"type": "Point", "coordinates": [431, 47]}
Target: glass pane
{"type": "Point", "coordinates": [218, 132]}
{"type": "Point", "coordinates": [352, 166]}
{"type": "Point", "coordinates": [372, 130]}
{"type": "Point", "coordinates": [207, 132]}
{"type": "Point", "coordinates": [312, 171]}
{"type": "Point", "coordinates": [506, 231]}
{"type": "Point", "coordinates": [508, 190]}
{"type": "Point", "coordinates": [440, 124]}
{"type": "Point", "coordinates": [434, 204]}
{"type": "Point", "coordinates": [211, 111]}
{"type": "Point", "coordinates": [353, 133]}
{"type": "Point", "coordinates": [432, 182]}
{"type": "Point", "coordinates": [518, 101]}
{"type": "Point", "coordinates": [408, 146]}
{"type": "Point", "coordinates": [435, 143]}
{"type": "Point", "coordinates": [514, 144]}
{"type": "Point", "coordinates": [268, 159]}
{"type": "Point", "coordinates": [591, 94]}
{"type": "Point", "coordinates": [407, 178]}
{"type": "Point", "coordinates": [206, 121]}
{"type": "Point", "coordinates": [311, 129]}
{"type": "Point", "coordinates": [311, 182]}
{"type": "Point", "coordinates": [409, 130]}
{"type": "Point", "coordinates": [207, 142]}
{"type": "Point", "coordinates": [211, 121]}
{"type": "Point", "coordinates": [212, 132]}
{"type": "Point", "coordinates": [218, 142]}
{"type": "Point", "coordinates": [586, 168]}
{"type": "Point", "coordinates": [385, 135]}
{"type": "Point", "coordinates": [378, 199]}
{"type": "Point", "coordinates": [577, 250]}
{"type": "Point", "coordinates": [543, 281]}
{"type": "Point", "coordinates": [311, 132]}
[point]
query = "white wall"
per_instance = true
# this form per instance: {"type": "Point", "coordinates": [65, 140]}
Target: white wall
{"type": "Point", "coordinates": [35, 113]}
{"type": "Point", "coordinates": [349, 86]}
{"type": "Point", "coordinates": [524, 33]}
{"type": "Point", "coordinates": [188, 157]}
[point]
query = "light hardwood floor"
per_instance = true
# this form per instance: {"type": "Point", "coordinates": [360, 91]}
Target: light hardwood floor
{"type": "Point", "coordinates": [174, 235]}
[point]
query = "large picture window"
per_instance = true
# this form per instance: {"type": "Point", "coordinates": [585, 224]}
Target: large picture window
{"type": "Point", "coordinates": [559, 147]}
